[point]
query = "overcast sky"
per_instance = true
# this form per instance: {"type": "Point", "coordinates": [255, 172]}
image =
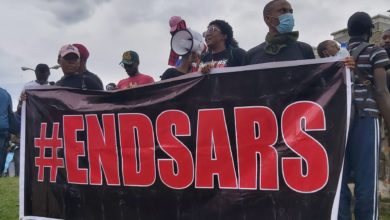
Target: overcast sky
{"type": "Point", "coordinates": [32, 31]}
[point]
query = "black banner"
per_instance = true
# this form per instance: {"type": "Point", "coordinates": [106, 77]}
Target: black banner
{"type": "Point", "coordinates": [244, 143]}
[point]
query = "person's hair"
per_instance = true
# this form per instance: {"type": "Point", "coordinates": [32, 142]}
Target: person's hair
{"type": "Point", "coordinates": [322, 47]}
{"type": "Point", "coordinates": [227, 30]}
{"type": "Point", "coordinates": [359, 24]}
{"type": "Point", "coordinates": [42, 72]}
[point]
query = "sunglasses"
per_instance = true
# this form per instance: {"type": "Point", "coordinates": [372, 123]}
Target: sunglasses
{"type": "Point", "coordinates": [71, 57]}
{"type": "Point", "coordinates": [211, 30]}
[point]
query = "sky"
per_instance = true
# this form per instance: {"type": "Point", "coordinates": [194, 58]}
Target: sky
{"type": "Point", "coordinates": [33, 31]}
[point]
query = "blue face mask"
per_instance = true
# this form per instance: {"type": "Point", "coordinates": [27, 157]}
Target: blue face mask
{"type": "Point", "coordinates": [286, 23]}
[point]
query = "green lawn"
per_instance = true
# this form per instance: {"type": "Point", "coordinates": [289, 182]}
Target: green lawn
{"type": "Point", "coordinates": [9, 200]}
{"type": "Point", "coordinates": [384, 215]}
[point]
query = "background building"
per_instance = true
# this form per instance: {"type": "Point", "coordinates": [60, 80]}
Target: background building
{"type": "Point", "coordinates": [381, 23]}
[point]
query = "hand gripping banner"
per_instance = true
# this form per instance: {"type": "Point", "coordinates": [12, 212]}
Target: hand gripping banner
{"type": "Point", "coordinates": [256, 142]}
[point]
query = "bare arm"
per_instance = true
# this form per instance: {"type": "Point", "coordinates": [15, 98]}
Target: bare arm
{"type": "Point", "coordinates": [382, 95]}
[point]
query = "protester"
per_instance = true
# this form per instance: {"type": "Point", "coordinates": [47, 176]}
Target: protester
{"type": "Point", "coordinates": [9, 123]}
{"type": "Point", "coordinates": [223, 50]}
{"type": "Point", "coordinates": [13, 154]}
{"type": "Point", "coordinates": [130, 62]}
{"type": "Point", "coordinates": [69, 59]}
{"type": "Point", "coordinates": [84, 54]}
{"type": "Point", "coordinates": [385, 41]}
{"type": "Point", "coordinates": [328, 48]}
{"type": "Point", "coordinates": [190, 61]}
{"type": "Point", "coordinates": [371, 97]}
{"type": "Point", "coordinates": [281, 42]}
{"type": "Point", "coordinates": [176, 23]}
{"type": "Point", "coordinates": [42, 73]}
{"type": "Point", "coordinates": [14, 146]}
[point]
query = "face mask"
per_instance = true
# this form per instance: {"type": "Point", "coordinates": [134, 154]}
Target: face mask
{"type": "Point", "coordinates": [286, 23]}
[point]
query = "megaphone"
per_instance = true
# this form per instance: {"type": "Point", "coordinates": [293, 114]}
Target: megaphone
{"type": "Point", "coordinates": [26, 68]}
{"type": "Point", "coordinates": [56, 67]}
{"type": "Point", "coordinates": [186, 41]}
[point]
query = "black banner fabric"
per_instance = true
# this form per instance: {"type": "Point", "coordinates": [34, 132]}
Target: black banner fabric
{"type": "Point", "coordinates": [247, 144]}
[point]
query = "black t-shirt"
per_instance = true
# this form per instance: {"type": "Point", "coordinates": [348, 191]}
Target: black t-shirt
{"type": "Point", "coordinates": [293, 51]}
{"type": "Point", "coordinates": [227, 58]}
{"type": "Point", "coordinates": [94, 78]}
{"type": "Point", "coordinates": [171, 73]}
{"type": "Point", "coordinates": [80, 81]}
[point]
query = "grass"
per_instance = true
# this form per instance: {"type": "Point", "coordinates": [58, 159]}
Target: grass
{"type": "Point", "coordinates": [384, 216]}
{"type": "Point", "coordinates": [9, 200]}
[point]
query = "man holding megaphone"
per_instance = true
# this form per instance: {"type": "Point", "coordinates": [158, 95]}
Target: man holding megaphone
{"type": "Point", "coordinates": [188, 44]}
{"type": "Point", "coordinates": [176, 23]}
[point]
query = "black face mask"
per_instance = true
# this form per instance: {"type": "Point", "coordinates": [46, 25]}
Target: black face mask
{"type": "Point", "coordinates": [130, 68]}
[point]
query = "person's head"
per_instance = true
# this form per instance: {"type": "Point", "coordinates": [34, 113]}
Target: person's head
{"type": "Point", "coordinates": [130, 62]}
{"type": "Point", "coordinates": [360, 25]}
{"type": "Point", "coordinates": [42, 72]}
{"type": "Point", "coordinates": [385, 41]}
{"type": "Point", "coordinates": [69, 59]}
{"type": "Point", "coordinates": [84, 54]}
{"type": "Point", "coordinates": [111, 86]}
{"type": "Point", "coordinates": [219, 34]}
{"type": "Point", "coordinates": [176, 23]}
{"type": "Point", "coordinates": [328, 48]}
{"type": "Point", "coordinates": [278, 16]}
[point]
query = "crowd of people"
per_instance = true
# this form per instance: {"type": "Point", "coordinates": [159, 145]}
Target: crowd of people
{"type": "Point", "coordinates": [368, 62]}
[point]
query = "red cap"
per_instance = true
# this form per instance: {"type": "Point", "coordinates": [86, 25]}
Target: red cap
{"type": "Point", "coordinates": [174, 22]}
{"type": "Point", "coordinates": [67, 49]}
{"type": "Point", "coordinates": [84, 54]}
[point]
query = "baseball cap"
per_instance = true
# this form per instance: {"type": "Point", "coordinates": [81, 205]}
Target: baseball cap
{"type": "Point", "coordinates": [67, 49]}
{"type": "Point", "coordinates": [84, 53]}
{"type": "Point", "coordinates": [173, 22]}
{"type": "Point", "coordinates": [129, 57]}
{"type": "Point", "coordinates": [359, 23]}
